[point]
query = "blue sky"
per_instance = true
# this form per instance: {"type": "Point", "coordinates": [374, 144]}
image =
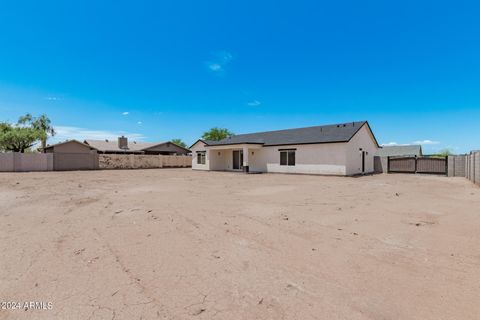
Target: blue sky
{"type": "Point", "coordinates": [157, 70]}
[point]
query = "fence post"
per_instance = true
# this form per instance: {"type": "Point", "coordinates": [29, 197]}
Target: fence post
{"type": "Point", "coordinates": [474, 165]}
{"type": "Point", "coordinates": [388, 164]}
{"type": "Point", "coordinates": [454, 165]}
{"type": "Point", "coordinates": [415, 164]}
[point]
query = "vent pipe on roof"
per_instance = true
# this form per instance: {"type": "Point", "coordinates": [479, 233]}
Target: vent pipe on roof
{"type": "Point", "coordinates": [122, 142]}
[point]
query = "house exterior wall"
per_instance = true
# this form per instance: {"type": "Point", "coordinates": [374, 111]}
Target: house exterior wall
{"type": "Point", "coordinates": [220, 159]}
{"type": "Point", "coordinates": [200, 146]}
{"type": "Point", "coordinates": [362, 139]}
{"type": "Point", "coordinates": [309, 159]}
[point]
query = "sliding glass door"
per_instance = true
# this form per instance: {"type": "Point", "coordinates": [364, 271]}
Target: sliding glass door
{"type": "Point", "coordinates": [237, 159]}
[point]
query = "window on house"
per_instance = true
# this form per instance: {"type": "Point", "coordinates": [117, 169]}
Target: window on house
{"type": "Point", "coordinates": [287, 157]}
{"type": "Point", "coordinates": [291, 158]}
{"type": "Point", "coordinates": [201, 157]}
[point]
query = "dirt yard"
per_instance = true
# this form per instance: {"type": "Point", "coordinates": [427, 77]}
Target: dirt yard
{"type": "Point", "coordinates": [180, 244]}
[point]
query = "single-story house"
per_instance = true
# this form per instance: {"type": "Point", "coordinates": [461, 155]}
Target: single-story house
{"type": "Point", "coordinates": [338, 149]}
{"type": "Point", "coordinates": [414, 150]}
{"type": "Point", "coordinates": [123, 146]}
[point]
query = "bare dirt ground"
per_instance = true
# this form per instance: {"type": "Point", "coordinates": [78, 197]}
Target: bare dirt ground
{"type": "Point", "coordinates": [179, 244]}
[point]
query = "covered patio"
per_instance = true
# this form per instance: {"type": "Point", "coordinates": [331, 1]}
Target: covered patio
{"type": "Point", "coordinates": [238, 157]}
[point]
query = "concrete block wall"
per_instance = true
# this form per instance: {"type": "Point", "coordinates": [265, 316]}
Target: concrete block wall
{"type": "Point", "coordinates": [135, 161]}
{"type": "Point", "coordinates": [457, 166]}
{"type": "Point", "coordinates": [476, 174]}
{"type": "Point", "coordinates": [176, 161]}
{"type": "Point", "coordinates": [7, 162]}
{"type": "Point", "coordinates": [467, 166]}
{"type": "Point", "coordinates": [24, 162]}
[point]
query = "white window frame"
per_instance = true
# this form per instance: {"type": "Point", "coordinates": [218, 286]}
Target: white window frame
{"type": "Point", "coordinates": [201, 157]}
{"type": "Point", "coordinates": [287, 152]}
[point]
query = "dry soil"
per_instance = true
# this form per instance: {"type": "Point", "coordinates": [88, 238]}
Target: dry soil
{"type": "Point", "coordinates": [180, 244]}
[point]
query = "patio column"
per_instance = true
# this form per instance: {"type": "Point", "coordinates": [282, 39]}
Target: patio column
{"type": "Point", "coordinates": [245, 159]}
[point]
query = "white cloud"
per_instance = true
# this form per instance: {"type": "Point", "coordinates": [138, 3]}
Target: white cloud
{"type": "Point", "coordinates": [139, 122]}
{"type": "Point", "coordinates": [52, 98]}
{"type": "Point", "coordinates": [429, 142]}
{"type": "Point", "coordinates": [254, 103]}
{"type": "Point", "coordinates": [68, 133]}
{"type": "Point", "coordinates": [422, 142]}
{"type": "Point", "coordinates": [219, 61]}
{"type": "Point", "coordinates": [126, 113]}
{"type": "Point", "coordinates": [215, 67]}
{"type": "Point", "coordinates": [389, 144]}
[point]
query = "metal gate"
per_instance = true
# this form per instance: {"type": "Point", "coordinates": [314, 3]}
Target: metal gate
{"type": "Point", "coordinates": [417, 165]}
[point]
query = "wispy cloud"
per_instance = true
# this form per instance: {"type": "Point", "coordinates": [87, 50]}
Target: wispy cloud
{"type": "Point", "coordinates": [68, 133]}
{"type": "Point", "coordinates": [126, 113]}
{"type": "Point", "coordinates": [139, 122]}
{"type": "Point", "coordinates": [422, 142]}
{"type": "Point", "coordinates": [219, 62]}
{"type": "Point", "coordinates": [52, 98]}
{"type": "Point", "coordinates": [429, 142]}
{"type": "Point", "coordinates": [389, 144]}
{"type": "Point", "coordinates": [215, 67]}
{"type": "Point", "coordinates": [254, 103]}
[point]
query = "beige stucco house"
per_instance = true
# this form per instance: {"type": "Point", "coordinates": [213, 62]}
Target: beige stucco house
{"type": "Point", "coordinates": [339, 149]}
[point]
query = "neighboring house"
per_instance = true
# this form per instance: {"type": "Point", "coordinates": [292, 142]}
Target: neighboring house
{"type": "Point", "coordinates": [72, 155]}
{"type": "Point", "coordinates": [413, 150]}
{"type": "Point", "coordinates": [123, 146]}
{"type": "Point", "coordinates": [340, 149]}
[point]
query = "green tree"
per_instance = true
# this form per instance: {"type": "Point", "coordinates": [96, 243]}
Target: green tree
{"type": "Point", "coordinates": [217, 134]}
{"type": "Point", "coordinates": [180, 143]}
{"type": "Point", "coordinates": [41, 123]}
{"type": "Point", "coordinates": [445, 152]}
{"type": "Point", "coordinates": [4, 127]}
{"type": "Point", "coordinates": [17, 138]}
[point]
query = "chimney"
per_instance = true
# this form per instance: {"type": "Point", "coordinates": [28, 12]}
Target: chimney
{"type": "Point", "coordinates": [123, 142]}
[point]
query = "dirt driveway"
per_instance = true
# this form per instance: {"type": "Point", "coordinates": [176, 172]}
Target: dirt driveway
{"type": "Point", "coordinates": [179, 244]}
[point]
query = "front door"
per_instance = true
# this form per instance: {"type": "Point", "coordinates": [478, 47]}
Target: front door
{"type": "Point", "coordinates": [363, 161]}
{"type": "Point", "coordinates": [237, 159]}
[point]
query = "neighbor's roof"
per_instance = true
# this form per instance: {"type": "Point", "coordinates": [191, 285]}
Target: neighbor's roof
{"type": "Point", "coordinates": [65, 142]}
{"type": "Point", "coordinates": [319, 134]}
{"type": "Point", "coordinates": [408, 150]}
{"type": "Point", "coordinates": [112, 145]}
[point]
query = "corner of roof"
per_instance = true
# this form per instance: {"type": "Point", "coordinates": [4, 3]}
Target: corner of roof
{"type": "Point", "coordinates": [204, 141]}
{"type": "Point", "coordinates": [365, 122]}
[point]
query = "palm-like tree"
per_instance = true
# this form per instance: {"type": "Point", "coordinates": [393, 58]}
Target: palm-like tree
{"type": "Point", "coordinates": [41, 124]}
{"type": "Point", "coordinates": [44, 125]}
